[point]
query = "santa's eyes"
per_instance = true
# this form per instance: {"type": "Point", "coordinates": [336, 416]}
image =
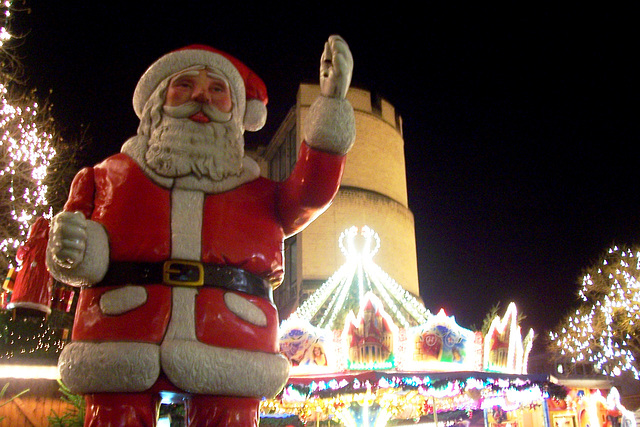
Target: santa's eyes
{"type": "Point", "coordinates": [218, 87]}
{"type": "Point", "coordinates": [182, 82]}
{"type": "Point", "coordinates": [189, 85]}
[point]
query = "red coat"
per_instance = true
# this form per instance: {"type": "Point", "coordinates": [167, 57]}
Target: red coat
{"type": "Point", "coordinates": [244, 227]}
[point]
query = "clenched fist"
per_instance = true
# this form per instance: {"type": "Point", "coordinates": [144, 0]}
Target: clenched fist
{"type": "Point", "coordinates": [68, 239]}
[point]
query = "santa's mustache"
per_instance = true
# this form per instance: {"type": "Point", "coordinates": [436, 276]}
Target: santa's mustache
{"type": "Point", "coordinates": [188, 109]}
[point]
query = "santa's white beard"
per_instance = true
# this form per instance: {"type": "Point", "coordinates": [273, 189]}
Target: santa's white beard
{"type": "Point", "coordinates": [180, 147]}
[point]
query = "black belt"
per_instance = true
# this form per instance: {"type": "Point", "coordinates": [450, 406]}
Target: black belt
{"type": "Point", "coordinates": [187, 273]}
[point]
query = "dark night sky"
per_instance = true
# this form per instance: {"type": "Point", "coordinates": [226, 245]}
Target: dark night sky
{"type": "Point", "coordinates": [519, 126]}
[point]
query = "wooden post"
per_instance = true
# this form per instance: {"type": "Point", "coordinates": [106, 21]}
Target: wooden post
{"type": "Point", "coordinates": [435, 412]}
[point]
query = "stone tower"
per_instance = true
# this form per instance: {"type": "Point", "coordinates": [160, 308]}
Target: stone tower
{"type": "Point", "coordinates": [373, 193]}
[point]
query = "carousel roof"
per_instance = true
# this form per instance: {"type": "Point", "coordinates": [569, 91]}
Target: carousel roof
{"type": "Point", "coordinates": [347, 290]}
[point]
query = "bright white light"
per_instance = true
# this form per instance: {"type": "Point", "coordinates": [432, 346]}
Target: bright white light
{"type": "Point", "coordinates": [47, 372]}
{"type": "Point", "coordinates": [359, 246]}
{"type": "Point", "coordinates": [27, 152]}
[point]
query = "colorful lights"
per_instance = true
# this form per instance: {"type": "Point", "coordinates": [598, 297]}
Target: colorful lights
{"type": "Point", "coordinates": [504, 348]}
{"type": "Point", "coordinates": [309, 349]}
{"type": "Point", "coordinates": [392, 328]}
{"type": "Point", "coordinates": [383, 352]}
{"type": "Point", "coordinates": [441, 345]}
{"type": "Point", "coordinates": [27, 339]}
{"type": "Point", "coordinates": [385, 396]}
{"type": "Point", "coordinates": [370, 337]}
{"type": "Point", "coordinates": [27, 156]}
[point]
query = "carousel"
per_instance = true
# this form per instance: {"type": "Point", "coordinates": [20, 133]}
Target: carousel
{"type": "Point", "coordinates": [365, 352]}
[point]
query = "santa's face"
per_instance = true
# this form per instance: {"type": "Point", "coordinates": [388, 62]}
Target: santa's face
{"type": "Point", "coordinates": [197, 133]}
{"type": "Point", "coordinates": [202, 86]}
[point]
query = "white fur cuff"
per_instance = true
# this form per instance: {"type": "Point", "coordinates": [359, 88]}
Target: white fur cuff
{"type": "Point", "coordinates": [94, 264]}
{"type": "Point", "coordinates": [31, 305]}
{"type": "Point", "coordinates": [116, 367]}
{"type": "Point", "coordinates": [330, 125]}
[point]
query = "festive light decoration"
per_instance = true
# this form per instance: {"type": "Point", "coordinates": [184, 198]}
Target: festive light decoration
{"type": "Point", "coordinates": [370, 337]}
{"type": "Point", "coordinates": [393, 359]}
{"type": "Point", "coordinates": [604, 331]}
{"type": "Point", "coordinates": [345, 289]}
{"type": "Point", "coordinates": [26, 339]}
{"type": "Point", "coordinates": [357, 286]}
{"type": "Point", "coordinates": [30, 168]}
{"type": "Point", "coordinates": [49, 372]}
{"type": "Point", "coordinates": [441, 344]}
{"type": "Point", "coordinates": [383, 396]}
{"type": "Point", "coordinates": [504, 348]}
{"type": "Point", "coordinates": [309, 349]}
{"type": "Point", "coordinates": [26, 153]}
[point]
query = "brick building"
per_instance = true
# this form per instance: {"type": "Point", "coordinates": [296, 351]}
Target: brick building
{"type": "Point", "coordinates": [373, 193]}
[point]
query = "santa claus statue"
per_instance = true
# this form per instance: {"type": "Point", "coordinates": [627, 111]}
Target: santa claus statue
{"type": "Point", "coordinates": [176, 243]}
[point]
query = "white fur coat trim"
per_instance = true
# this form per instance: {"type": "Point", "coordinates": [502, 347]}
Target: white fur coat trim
{"type": "Point", "coordinates": [31, 305]}
{"type": "Point", "coordinates": [199, 368]}
{"type": "Point", "coordinates": [330, 125]}
{"type": "Point", "coordinates": [87, 367]}
{"type": "Point", "coordinates": [245, 309]}
{"type": "Point", "coordinates": [119, 367]}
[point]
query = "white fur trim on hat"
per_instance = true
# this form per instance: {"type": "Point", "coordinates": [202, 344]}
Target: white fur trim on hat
{"type": "Point", "coordinates": [180, 60]}
{"type": "Point", "coordinates": [254, 112]}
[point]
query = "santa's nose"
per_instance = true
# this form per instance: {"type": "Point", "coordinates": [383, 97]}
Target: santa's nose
{"type": "Point", "coordinates": [200, 94]}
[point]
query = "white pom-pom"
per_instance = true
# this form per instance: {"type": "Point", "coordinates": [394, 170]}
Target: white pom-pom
{"type": "Point", "coordinates": [255, 115]}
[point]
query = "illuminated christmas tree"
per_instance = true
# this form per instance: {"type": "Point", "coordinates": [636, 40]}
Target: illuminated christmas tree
{"type": "Point", "coordinates": [604, 331]}
{"type": "Point", "coordinates": [27, 153]}
{"type": "Point", "coordinates": [33, 181]}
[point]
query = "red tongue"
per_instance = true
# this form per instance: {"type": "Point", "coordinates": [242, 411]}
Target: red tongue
{"type": "Point", "coordinates": [200, 117]}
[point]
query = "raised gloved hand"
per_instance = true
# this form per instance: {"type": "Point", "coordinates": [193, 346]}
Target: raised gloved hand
{"type": "Point", "coordinates": [336, 68]}
{"type": "Point", "coordinates": [330, 124]}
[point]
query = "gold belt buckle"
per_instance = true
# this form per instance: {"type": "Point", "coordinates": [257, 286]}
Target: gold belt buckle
{"type": "Point", "coordinates": [183, 273]}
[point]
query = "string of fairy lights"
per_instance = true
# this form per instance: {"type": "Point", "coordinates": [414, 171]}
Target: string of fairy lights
{"type": "Point", "coordinates": [603, 331]}
{"type": "Point", "coordinates": [24, 339]}
{"type": "Point", "coordinates": [405, 397]}
{"type": "Point", "coordinates": [26, 152]}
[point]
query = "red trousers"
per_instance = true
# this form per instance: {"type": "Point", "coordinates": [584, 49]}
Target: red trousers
{"type": "Point", "coordinates": [141, 410]}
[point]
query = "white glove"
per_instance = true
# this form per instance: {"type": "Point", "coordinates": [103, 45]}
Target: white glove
{"type": "Point", "coordinates": [330, 125]}
{"type": "Point", "coordinates": [68, 239]}
{"type": "Point", "coordinates": [78, 249]}
{"type": "Point", "coordinates": [336, 68]}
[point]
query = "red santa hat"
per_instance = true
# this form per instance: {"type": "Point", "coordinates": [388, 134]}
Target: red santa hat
{"type": "Point", "coordinates": [248, 91]}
